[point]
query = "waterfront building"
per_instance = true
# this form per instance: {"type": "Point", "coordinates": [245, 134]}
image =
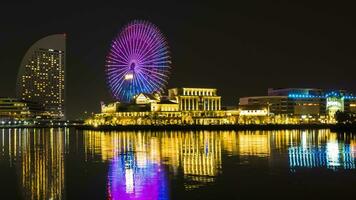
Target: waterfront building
{"type": "Point", "coordinates": [146, 98]}
{"type": "Point", "coordinates": [41, 77]}
{"type": "Point", "coordinates": [302, 104]}
{"type": "Point", "coordinates": [253, 114]}
{"type": "Point", "coordinates": [12, 109]}
{"type": "Point", "coordinates": [110, 108]}
{"type": "Point", "coordinates": [196, 99]}
{"type": "Point", "coordinates": [194, 106]}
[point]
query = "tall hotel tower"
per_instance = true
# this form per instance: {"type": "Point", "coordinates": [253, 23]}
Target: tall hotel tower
{"type": "Point", "coordinates": [42, 76]}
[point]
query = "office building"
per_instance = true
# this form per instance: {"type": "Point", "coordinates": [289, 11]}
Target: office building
{"type": "Point", "coordinates": [12, 109]}
{"type": "Point", "coordinates": [302, 103]}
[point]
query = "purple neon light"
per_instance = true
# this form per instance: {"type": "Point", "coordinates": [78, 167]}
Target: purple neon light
{"type": "Point", "coordinates": [127, 181]}
{"type": "Point", "coordinates": [138, 61]}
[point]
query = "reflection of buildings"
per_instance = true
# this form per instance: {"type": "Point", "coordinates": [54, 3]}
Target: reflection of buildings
{"type": "Point", "coordinates": [314, 149]}
{"type": "Point", "coordinates": [129, 179]}
{"type": "Point", "coordinates": [333, 155]}
{"type": "Point", "coordinates": [38, 157]}
{"type": "Point", "coordinates": [254, 144]}
{"type": "Point", "coordinates": [41, 75]}
{"type": "Point", "coordinates": [198, 155]}
{"type": "Point", "coordinates": [199, 158]}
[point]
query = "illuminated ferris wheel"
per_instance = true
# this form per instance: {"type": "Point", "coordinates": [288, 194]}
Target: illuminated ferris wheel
{"type": "Point", "coordinates": [138, 61]}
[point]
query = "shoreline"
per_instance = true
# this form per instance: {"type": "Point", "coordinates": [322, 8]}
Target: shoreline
{"type": "Point", "coordinates": [252, 127]}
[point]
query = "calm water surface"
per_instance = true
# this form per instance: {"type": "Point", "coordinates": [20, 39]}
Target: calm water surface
{"type": "Point", "coordinates": [71, 164]}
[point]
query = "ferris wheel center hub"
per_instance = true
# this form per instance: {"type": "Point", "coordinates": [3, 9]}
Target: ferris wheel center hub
{"type": "Point", "coordinates": [132, 66]}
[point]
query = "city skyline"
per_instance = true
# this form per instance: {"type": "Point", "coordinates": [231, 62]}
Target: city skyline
{"type": "Point", "coordinates": [245, 58]}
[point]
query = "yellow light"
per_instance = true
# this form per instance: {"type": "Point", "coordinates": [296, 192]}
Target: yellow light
{"type": "Point", "coordinates": [129, 76]}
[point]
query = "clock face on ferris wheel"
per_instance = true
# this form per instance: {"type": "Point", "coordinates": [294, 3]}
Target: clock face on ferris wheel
{"type": "Point", "coordinates": [138, 61]}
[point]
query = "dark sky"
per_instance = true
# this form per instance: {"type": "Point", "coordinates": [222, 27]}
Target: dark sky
{"type": "Point", "coordinates": [241, 48]}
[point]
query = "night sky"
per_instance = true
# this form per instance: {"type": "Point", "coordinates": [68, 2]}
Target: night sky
{"type": "Point", "coordinates": [241, 48]}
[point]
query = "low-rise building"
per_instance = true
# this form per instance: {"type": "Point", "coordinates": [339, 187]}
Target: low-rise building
{"type": "Point", "coordinates": [12, 109]}
{"type": "Point", "coordinates": [195, 99]}
{"type": "Point", "coordinates": [194, 106]}
{"type": "Point", "coordinates": [303, 104]}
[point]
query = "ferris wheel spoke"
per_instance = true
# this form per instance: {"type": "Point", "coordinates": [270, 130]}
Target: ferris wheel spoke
{"type": "Point", "coordinates": [163, 75]}
{"type": "Point", "coordinates": [149, 84]}
{"type": "Point", "coordinates": [118, 54]}
{"type": "Point", "coordinates": [141, 41]}
{"type": "Point", "coordinates": [160, 67]}
{"type": "Point", "coordinates": [141, 86]}
{"type": "Point", "coordinates": [123, 48]}
{"type": "Point", "coordinates": [118, 49]}
{"type": "Point", "coordinates": [131, 42]}
{"type": "Point", "coordinates": [114, 67]}
{"type": "Point", "coordinates": [151, 49]}
{"type": "Point", "coordinates": [117, 66]}
{"type": "Point", "coordinates": [116, 85]}
{"type": "Point", "coordinates": [155, 72]}
{"type": "Point", "coordinates": [137, 40]}
{"type": "Point", "coordinates": [136, 86]}
{"type": "Point", "coordinates": [152, 82]}
{"type": "Point", "coordinates": [151, 43]}
{"type": "Point", "coordinates": [154, 53]}
{"type": "Point", "coordinates": [156, 61]}
{"type": "Point", "coordinates": [146, 85]}
{"type": "Point", "coordinates": [162, 81]}
{"type": "Point", "coordinates": [132, 35]}
{"type": "Point", "coordinates": [114, 74]}
{"type": "Point", "coordinates": [127, 45]}
{"type": "Point", "coordinates": [115, 60]}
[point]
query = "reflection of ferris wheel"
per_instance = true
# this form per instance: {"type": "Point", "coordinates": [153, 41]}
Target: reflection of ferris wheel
{"type": "Point", "coordinates": [138, 61]}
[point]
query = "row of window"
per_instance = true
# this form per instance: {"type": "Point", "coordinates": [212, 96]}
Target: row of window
{"type": "Point", "coordinates": [199, 93]}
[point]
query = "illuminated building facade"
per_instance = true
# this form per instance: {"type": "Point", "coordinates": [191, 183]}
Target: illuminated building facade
{"type": "Point", "coordinates": [253, 114]}
{"type": "Point", "coordinates": [302, 104]}
{"type": "Point", "coordinates": [196, 99]}
{"type": "Point", "coordinates": [12, 109]}
{"type": "Point", "coordinates": [42, 76]}
{"type": "Point", "coordinates": [194, 106]}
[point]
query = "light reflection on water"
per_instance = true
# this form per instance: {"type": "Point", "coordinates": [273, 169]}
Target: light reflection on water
{"type": "Point", "coordinates": [129, 180]}
{"type": "Point", "coordinates": [143, 165]}
{"type": "Point", "coordinates": [322, 150]}
{"type": "Point", "coordinates": [38, 156]}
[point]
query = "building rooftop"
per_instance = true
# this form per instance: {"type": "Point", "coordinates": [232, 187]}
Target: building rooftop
{"type": "Point", "coordinates": [166, 102]}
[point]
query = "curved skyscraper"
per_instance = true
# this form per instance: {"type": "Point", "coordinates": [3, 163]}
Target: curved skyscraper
{"type": "Point", "coordinates": [42, 76]}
